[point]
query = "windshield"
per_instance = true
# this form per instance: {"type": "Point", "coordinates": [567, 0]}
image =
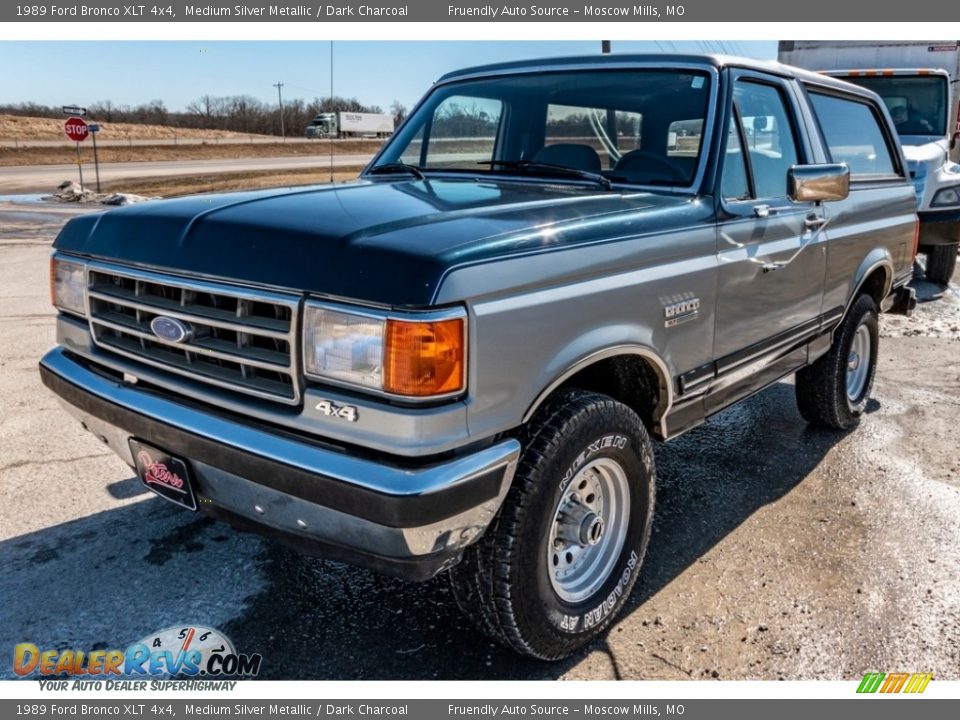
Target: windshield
{"type": "Point", "coordinates": [917, 104]}
{"type": "Point", "coordinates": [627, 126]}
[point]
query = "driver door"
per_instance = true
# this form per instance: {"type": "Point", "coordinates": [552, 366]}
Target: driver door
{"type": "Point", "coordinates": [770, 255]}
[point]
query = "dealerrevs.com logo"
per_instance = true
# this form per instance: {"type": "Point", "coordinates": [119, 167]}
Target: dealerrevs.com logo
{"type": "Point", "coordinates": [189, 651]}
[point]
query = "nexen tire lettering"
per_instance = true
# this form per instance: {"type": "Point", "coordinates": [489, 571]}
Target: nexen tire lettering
{"type": "Point", "coordinates": [607, 441]}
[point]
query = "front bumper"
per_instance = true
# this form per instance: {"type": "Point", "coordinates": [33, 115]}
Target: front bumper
{"type": "Point", "coordinates": [407, 518]}
{"type": "Point", "coordinates": [938, 227]}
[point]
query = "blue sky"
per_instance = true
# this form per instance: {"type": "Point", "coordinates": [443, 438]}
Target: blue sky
{"type": "Point", "coordinates": [375, 72]}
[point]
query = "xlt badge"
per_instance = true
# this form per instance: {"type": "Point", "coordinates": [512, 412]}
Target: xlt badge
{"type": "Point", "coordinates": [344, 412]}
{"type": "Point", "coordinates": [680, 311]}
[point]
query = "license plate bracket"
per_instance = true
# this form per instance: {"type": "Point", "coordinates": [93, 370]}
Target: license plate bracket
{"type": "Point", "coordinates": [164, 474]}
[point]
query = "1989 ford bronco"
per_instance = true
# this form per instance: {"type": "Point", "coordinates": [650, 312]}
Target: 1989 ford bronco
{"type": "Point", "coordinates": [458, 361]}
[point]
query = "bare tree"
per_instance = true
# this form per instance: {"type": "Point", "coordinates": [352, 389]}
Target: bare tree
{"type": "Point", "coordinates": [399, 111]}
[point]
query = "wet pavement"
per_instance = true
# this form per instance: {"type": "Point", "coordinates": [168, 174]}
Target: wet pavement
{"type": "Point", "coordinates": [777, 550]}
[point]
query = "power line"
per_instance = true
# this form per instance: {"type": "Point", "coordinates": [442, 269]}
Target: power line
{"type": "Point", "coordinates": [318, 93]}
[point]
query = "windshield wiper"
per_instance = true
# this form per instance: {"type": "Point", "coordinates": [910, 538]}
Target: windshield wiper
{"type": "Point", "coordinates": [397, 167]}
{"type": "Point", "coordinates": [551, 168]}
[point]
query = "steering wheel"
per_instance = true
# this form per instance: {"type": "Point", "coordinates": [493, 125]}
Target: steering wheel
{"type": "Point", "coordinates": [644, 157]}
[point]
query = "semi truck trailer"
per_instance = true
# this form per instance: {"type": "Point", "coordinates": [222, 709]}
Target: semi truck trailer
{"type": "Point", "coordinates": [350, 124]}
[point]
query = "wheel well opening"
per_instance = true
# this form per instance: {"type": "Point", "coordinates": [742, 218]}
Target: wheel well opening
{"type": "Point", "coordinates": [875, 285]}
{"type": "Point", "coordinates": [630, 379]}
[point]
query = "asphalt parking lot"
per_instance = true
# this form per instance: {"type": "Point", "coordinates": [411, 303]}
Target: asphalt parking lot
{"type": "Point", "coordinates": [778, 551]}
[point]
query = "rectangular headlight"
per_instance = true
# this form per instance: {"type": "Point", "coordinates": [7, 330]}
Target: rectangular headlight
{"type": "Point", "coordinates": [403, 356]}
{"type": "Point", "coordinates": [67, 283]}
{"type": "Point", "coordinates": [343, 346]}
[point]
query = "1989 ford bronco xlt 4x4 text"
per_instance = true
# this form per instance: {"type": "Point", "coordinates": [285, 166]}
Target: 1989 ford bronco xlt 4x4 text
{"type": "Point", "coordinates": [457, 362]}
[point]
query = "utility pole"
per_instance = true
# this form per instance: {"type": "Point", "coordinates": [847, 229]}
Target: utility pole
{"type": "Point", "coordinates": [605, 47]}
{"type": "Point", "coordinates": [279, 85]}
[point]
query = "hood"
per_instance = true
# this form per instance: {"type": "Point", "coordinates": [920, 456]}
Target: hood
{"type": "Point", "coordinates": [388, 242]}
{"type": "Point", "coordinates": [930, 154]}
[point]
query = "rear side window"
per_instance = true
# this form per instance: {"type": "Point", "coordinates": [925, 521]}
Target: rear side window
{"type": "Point", "coordinates": [853, 135]}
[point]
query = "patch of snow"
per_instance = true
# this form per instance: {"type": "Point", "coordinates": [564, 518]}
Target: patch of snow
{"type": "Point", "coordinates": [72, 192]}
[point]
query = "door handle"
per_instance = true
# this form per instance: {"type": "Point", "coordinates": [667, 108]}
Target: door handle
{"type": "Point", "coordinates": [763, 211]}
{"type": "Point", "coordinates": [814, 221]}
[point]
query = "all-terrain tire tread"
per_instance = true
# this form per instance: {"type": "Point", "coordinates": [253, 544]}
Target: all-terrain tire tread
{"type": "Point", "coordinates": [941, 262]}
{"type": "Point", "coordinates": [482, 581]}
{"type": "Point", "coordinates": [820, 387]}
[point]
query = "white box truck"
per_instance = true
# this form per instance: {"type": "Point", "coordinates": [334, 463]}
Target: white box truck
{"type": "Point", "coordinates": [918, 83]}
{"type": "Point", "coordinates": [350, 124]}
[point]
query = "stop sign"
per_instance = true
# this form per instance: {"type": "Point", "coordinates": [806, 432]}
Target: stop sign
{"type": "Point", "coordinates": [76, 129]}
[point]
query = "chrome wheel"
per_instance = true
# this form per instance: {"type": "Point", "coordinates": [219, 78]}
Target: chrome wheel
{"type": "Point", "coordinates": [588, 530]}
{"type": "Point", "coordinates": [858, 364]}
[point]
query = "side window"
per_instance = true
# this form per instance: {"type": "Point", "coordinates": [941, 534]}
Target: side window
{"type": "Point", "coordinates": [853, 135]}
{"type": "Point", "coordinates": [734, 184]}
{"type": "Point", "coordinates": [463, 129]}
{"type": "Point", "coordinates": [768, 130]}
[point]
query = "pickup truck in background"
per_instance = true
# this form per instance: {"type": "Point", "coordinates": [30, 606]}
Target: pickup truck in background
{"type": "Point", "coordinates": [917, 80]}
{"type": "Point", "coordinates": [459, 362]}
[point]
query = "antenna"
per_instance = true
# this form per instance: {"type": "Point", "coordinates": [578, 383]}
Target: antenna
{"type": "Point", "coordinates": [279, 85]}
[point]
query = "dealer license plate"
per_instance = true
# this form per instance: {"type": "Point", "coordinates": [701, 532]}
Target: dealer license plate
{"type": "Point", "coordinates": [166, 475]}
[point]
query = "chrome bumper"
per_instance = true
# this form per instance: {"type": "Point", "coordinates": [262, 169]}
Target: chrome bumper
{"type": "Point", "coordinates": [409, 519]}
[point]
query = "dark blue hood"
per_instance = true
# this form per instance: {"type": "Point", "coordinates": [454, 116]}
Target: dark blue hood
{"type": "Point", "coordinates": [387, 242]}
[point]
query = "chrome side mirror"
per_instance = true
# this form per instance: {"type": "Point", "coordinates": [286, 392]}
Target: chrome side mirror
{"type": "Point", "coordinates": [818, 183]}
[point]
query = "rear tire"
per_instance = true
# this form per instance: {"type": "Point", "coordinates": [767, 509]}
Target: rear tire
{"type": "Point", "coordinates": [558, 562]}
{"type": "Point", "coordinates": [833, 391]}
{"type": "Point", "coordinates": [941, 262]}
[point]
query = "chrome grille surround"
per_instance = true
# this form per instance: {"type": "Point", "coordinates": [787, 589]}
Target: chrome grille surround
{"type": "Point", "coordinates": [240, 339]}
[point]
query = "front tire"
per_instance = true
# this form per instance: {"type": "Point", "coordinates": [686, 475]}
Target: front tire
{"type": "Point", "coordinates": [560, 559]}
{"type": "Point", "coordinates": [833, 391]}
{"type": "Point", "coordinates": [941, 262]}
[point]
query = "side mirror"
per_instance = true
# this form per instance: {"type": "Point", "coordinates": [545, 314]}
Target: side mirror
{"type": "Point", "coordinates": [818, 183]}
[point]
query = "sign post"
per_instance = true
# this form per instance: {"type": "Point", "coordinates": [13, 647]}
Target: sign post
{"type": "Point", "coordinates": [77, 130]}
{"type": "Point", "coordinates": [94, 128]}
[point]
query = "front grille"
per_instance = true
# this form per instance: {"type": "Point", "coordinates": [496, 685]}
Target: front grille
{"type": "Point", "coordinates": [239, 339]}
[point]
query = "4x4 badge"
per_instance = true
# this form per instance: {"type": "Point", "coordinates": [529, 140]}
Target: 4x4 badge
{"type": "Point", "coordinates": [344, 412]}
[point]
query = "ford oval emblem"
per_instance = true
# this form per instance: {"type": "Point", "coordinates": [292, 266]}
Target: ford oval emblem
{"type": "Point", "coordinates": [170, 329]}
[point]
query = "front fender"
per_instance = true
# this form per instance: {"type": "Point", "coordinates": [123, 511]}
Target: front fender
{"type": "Point", "coordinates": [566, 365]}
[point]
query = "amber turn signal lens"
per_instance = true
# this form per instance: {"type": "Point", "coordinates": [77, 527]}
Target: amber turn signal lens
{"type": "Point", "coordinates": [424, 358]}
